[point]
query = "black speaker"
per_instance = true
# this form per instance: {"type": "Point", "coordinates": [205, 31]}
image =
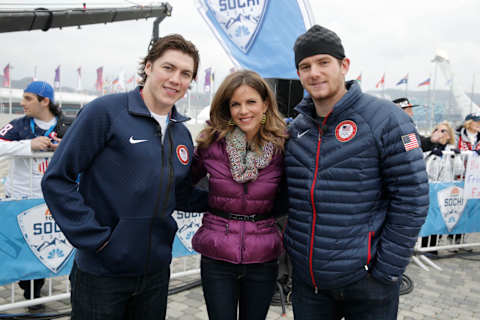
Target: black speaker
{"type": "Point", "coordinates": [288, 93]}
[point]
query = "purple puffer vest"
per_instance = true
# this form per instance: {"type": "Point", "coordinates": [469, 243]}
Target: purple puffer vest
{"type": "Point", "coordinates": [239, 242]}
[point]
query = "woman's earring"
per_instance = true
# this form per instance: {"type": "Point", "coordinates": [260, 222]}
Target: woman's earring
{"type": "Point", "coordinates": [264, 119]}
{"type": "Point", "coordinates": [230, 122]}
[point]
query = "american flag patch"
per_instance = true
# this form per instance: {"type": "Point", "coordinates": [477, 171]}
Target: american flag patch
{"type": "Point", "coordinates": [410, 141]}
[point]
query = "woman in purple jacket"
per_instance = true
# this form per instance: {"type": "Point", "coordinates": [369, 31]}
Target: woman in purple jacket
{"type": "Point", "coordinates": [241, 151]}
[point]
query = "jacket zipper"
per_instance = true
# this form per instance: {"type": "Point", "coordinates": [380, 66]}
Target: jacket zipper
{"type": "Point", "coordinates": [165, 201]}
{"type": "Point", "coordinates": [242, 249]}
{"type": "Point", "coordinates": [312, 199]}
{"type": "Point", "coordinates": [369, 255]}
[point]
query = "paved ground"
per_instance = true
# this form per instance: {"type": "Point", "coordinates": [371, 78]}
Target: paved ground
{"type": "Point", "coordinates": [453, 293]}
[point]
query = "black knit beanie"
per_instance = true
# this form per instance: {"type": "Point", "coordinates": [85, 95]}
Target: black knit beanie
{"type": "Point", "coordinates": [317, 40]}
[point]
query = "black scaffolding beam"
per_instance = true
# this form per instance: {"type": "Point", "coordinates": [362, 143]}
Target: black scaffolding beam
{"type": "Point", "coordinates": [45, 19]}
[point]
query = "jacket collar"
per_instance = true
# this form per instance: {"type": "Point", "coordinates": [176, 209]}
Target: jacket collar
{"type": "Point", "coordinates": [307, 107]}
{"type": "Point", "coordinates": [137, 106]}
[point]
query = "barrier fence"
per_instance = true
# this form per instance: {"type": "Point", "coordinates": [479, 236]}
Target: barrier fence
{"type": "Point", "coordinates": [32, 246]}
{"type": "Point", "coordinates": [453, 220]}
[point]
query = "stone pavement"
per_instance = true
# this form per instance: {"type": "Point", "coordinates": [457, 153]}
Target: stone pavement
{"type": "Point", "coordinates": [450, 294]}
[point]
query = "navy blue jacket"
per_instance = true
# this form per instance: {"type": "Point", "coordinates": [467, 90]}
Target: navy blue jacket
{"type": "Point", "coordinates": [357, 197]}
{"type": "Point", "coordinates": [130, 182]}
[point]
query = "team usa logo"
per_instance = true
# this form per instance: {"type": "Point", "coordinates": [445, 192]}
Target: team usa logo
{"type": "Point", "coordinates": [239, 19]}
{"type": "Point", "coordinates": [346, 130]}
{"type": "Point", "coordinates": [451, 204]}
{"type": "Point", "coordinates": [182, 154]}
{"type": "Point", "coordinates": [44, 237]}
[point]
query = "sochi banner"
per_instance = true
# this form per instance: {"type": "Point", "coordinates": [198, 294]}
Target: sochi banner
{"type": "Point", "coordinates": [450, 212]}
{"type": "Point", "coordinates": [31, 243]}
{"type": "Point", "coordinates": [259, 34]}
{"type": "Point", "coordinates": [33, 247]}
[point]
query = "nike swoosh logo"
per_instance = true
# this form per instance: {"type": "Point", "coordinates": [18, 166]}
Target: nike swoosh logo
{"type": "Point", "coordinates": [133, 141]}
{"type": "Point", "coordinates": [299, 135]}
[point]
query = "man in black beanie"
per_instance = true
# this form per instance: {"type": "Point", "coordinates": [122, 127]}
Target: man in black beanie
{"type": "Point", "coordinates": [357, 190]}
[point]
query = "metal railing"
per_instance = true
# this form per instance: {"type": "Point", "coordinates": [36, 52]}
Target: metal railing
{"type": "Point", "coordinates": [181, 267]}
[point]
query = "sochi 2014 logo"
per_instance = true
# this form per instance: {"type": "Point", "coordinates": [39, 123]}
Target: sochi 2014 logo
{"type": "Point", "coordinates": [188, 223]}
{"type": "Point", "coordinates": [239, 19]}
{"type": "Point", "coordinates": [44, 237]}
{"type": "Point", "coordinates": [451, 204]}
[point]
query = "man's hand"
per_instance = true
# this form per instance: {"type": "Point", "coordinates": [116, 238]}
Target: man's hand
{"type": "Point", "coordinates": [40, 144]}
{"type": "Point", "coordinates": [54, 145]}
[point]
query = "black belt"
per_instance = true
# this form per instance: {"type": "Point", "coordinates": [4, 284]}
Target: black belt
{"type": "Point", "coordinates": [240, 217]}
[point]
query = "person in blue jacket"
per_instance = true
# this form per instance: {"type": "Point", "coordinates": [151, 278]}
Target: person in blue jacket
{"type": "Point", "coordinates": [132, 154]}
{"type": "Point", "coordinates": [40, 129]}
{"type": "Point", "coordinates": [357, 190]}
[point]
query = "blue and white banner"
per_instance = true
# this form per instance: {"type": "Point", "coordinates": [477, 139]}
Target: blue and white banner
{"type": "Point", "coordinates": [31, 243]}
{"type": "Point", "coordinates": [33, 247]}
{"type": "Point", "coordinates": [259, 34]}
{"type": "Point", "coordinates": [450, 212]}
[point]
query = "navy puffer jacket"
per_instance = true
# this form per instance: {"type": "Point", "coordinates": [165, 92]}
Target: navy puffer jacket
{"type": "Point", "coordinates": [357, 197]}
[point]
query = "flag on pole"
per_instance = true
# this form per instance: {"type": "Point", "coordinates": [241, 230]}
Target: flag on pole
{"type": "Point", "coordinates": [99, 83]}
{"type": "Point", "coordinates": [404, 80]}
{"type": "Point", "coordinates": [381, 82]}
{"type": "Point", "coordinates": [130, 80]}
{"type": "Point", "coordinates": [79, 73]}
{"type": "Point", "coordinates": [6, 76]}
{"type": "Point", "coordinates": [249, 31]}
{"type": "Point", "coordinates": [208, 79]}
{"type": "Point", "coordinates": [426, 82]}
{"type": "Point", "coordinates": [56, 81]}
{"type": "Point", "coordinates": [359, 78]}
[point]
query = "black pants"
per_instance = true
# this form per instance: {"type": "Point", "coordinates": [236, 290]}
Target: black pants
{"type": "Point", "coordinates": [37, 286]}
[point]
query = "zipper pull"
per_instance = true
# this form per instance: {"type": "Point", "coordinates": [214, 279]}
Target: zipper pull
{"type": "Point", "coordinates": [226, 228]}
{"type": "Point", "coordinates": [316, 290]}
{"type": "Point", "coordinates": [366, 267]}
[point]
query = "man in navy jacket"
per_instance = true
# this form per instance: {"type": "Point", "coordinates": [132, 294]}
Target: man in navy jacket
{"type": "Point", "coordinates": [113, 183]}
{"type": "Point", "coordinates": [357, 190]}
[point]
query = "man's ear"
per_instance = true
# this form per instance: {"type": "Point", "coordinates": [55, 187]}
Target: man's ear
{"type": "Point", "coordinates": [148, 68]}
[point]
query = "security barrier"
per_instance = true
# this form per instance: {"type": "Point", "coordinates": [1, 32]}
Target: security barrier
{"type": "Point", "coordinates": [454, 212]}
{"type": "Point", "coordinates": [33, 247]}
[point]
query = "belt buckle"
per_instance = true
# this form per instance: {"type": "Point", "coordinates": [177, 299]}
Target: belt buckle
{"type": "Point", "coordinates": [241, 217]}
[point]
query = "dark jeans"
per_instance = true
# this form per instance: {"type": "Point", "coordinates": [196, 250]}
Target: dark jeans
{"type": "Point", "coordinates": [98, 297]}
{"type": "Point", "coordinates": [226, 285]}
{"type": "Point", "coordinates": [37, 287]}
{"type": "Point", "coordinates": [365, 299]}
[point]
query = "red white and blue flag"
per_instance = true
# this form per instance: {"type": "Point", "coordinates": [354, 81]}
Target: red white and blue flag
{"type": "Point", "coordinates": [424, 83]}
{"type": "Point", "coordinates": [410, 141]}
{"type": "Point", "coordinates": [404, 80]}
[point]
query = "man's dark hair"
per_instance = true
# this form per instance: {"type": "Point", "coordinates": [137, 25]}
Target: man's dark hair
{"type": "Point", "coordinates": [54, 108]}
{"type": "Point", "coordinates": [174, 42]}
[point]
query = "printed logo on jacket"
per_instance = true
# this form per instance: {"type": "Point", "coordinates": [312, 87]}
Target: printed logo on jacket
{"type": "Point", "coordinates": [44, 237]}
{"type": "Point", "coordinates": [239, 19]}
{"type": "Point", "coordinates": [345, 130]}
{"type": "Point", "coordinates": [182, 154]}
